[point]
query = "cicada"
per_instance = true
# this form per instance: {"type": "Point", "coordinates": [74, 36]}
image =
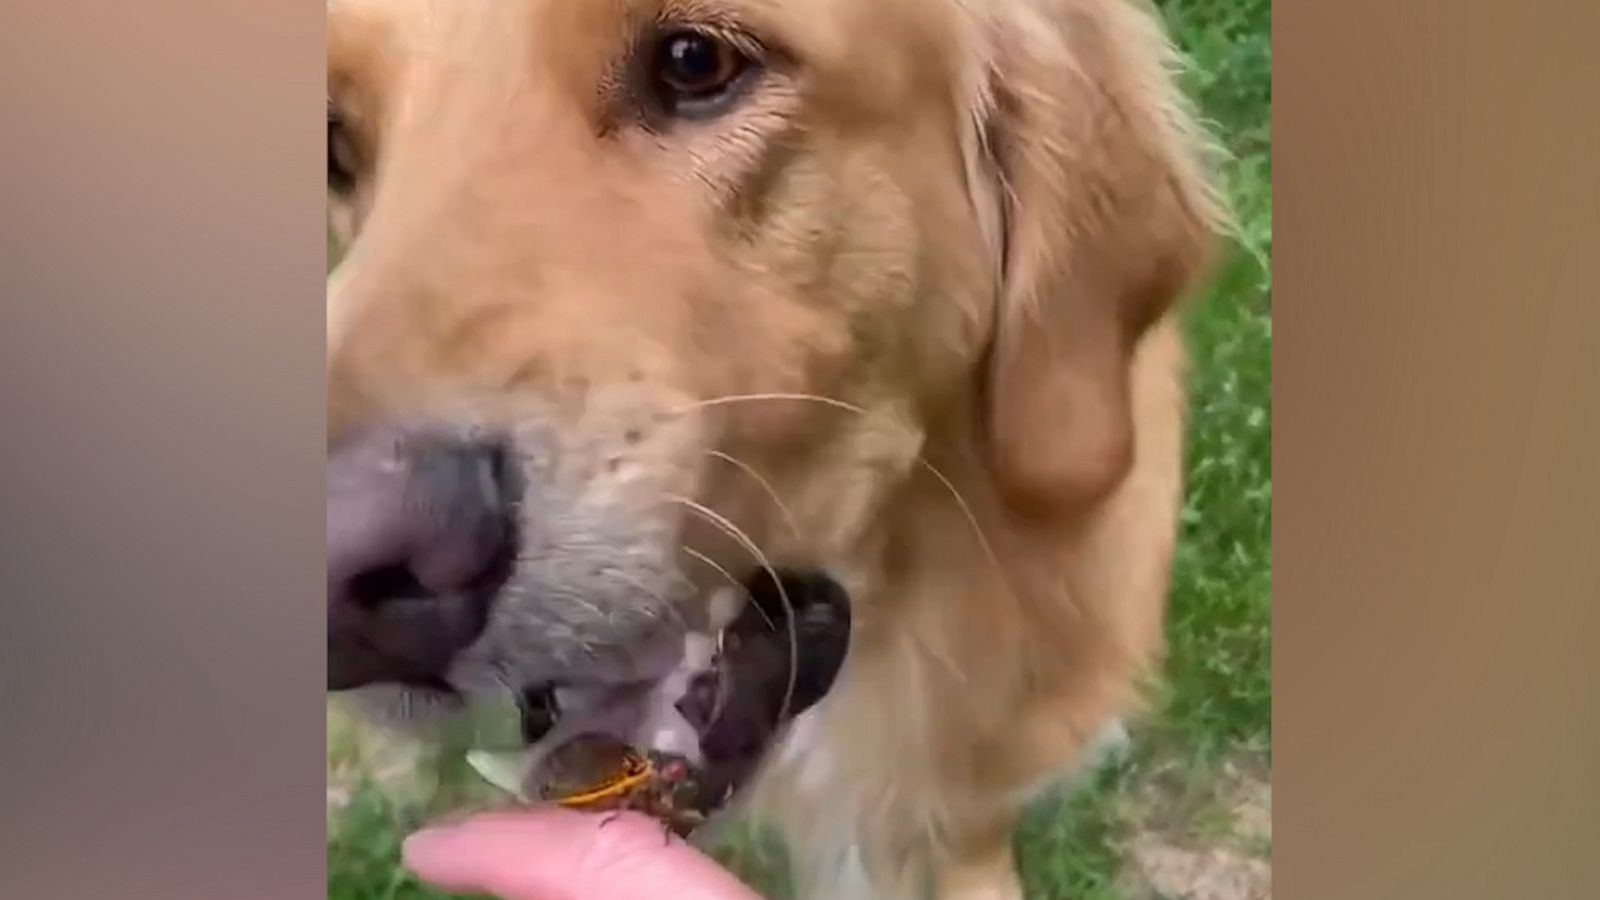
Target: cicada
{"type": "Point", "coordinates": [599, 773]}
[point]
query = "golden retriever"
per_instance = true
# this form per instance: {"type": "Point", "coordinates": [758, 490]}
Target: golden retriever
{"type": "Point", "coordinates": [686, 288]}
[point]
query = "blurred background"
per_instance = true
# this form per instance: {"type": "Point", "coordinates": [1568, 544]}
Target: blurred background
{"type": "Point", "coordinates": [1185, 810]}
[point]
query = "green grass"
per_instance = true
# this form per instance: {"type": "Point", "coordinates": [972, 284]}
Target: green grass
{"type": "Point", "coordinates": [1216, 694]}
{"type": "Point", "coordinates": [1219, 676]}
{"type": "Point", "coordinates": [1215, 699]}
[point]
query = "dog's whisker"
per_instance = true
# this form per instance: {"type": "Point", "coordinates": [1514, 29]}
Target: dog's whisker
{"type": "Point", "coordinates": [727, 399]}
{"type": "Point", "coordinates": [766, 486]}
{"type": "Point", "coordinates": [518, 591]}
{"type": "Point", "coordinates": [944, 480]}
{"type": "Point", "coordinates": [719, 701]}
{"type": "Point", "coordinates": [731, 530]}
{"type": "Point", "coordinates": [655, 595]}
{"type": "Point", "coordinates": [717, 567]}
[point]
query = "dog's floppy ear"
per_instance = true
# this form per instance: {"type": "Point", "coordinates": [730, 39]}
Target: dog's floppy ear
{"type": "Point", "coordinates": [1106, 218]}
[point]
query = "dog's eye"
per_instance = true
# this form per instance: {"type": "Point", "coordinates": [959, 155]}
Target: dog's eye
{"type": "Point", "coordinates": [343, 161]}
{"type": "Point", "coordinates": [692, 71]}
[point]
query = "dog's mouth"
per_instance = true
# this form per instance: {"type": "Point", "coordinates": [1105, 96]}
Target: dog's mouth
{"type": "Point", "coordinates": [717, 715]}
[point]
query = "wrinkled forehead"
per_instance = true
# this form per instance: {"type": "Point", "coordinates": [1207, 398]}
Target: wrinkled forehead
{"type": "Point", "coordinates": [864, 53]}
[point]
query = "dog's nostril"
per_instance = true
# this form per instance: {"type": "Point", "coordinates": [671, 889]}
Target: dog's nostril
{"type": "Point", "coordinates": [375, 586]}
{"type": "Point", "coordinates": [422, 534]}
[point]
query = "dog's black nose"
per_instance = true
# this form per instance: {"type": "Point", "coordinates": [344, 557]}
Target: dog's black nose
{"type": "Point", "coordinates": [421, 534]}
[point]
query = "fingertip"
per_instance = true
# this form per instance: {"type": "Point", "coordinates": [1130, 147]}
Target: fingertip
{"type": "Point", "coordinates": [549, 854]}
{"type": "Point", "coordinates": [434, 856]}
{"type": "Point", "coordinates": [423, 847]}
{"type": "Point", "coordinates": [476, 853]}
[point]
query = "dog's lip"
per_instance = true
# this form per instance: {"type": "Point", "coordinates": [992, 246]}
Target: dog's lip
{"type": "Point", "coordinates": [642, 713]}
{"type": "Point", "coordinates": [639, 714]}
{"type": "Point", "coordinates": [642, 710]}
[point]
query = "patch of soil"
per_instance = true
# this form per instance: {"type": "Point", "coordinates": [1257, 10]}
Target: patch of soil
{"type": "Point", "coordinates": [1212, 843]}
{"type": "Point", "coordinates": [1165, 872]}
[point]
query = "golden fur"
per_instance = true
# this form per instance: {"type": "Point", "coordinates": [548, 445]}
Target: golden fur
{"type": "Point", "coordinates": [962, 223]}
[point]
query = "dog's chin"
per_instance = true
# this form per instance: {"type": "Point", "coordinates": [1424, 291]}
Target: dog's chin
{"type": "Point", "coordinates": [716, 703]}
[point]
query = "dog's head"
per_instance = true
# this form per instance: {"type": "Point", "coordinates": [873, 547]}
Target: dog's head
{"type": "Point", "coordinates": [641, 295]}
